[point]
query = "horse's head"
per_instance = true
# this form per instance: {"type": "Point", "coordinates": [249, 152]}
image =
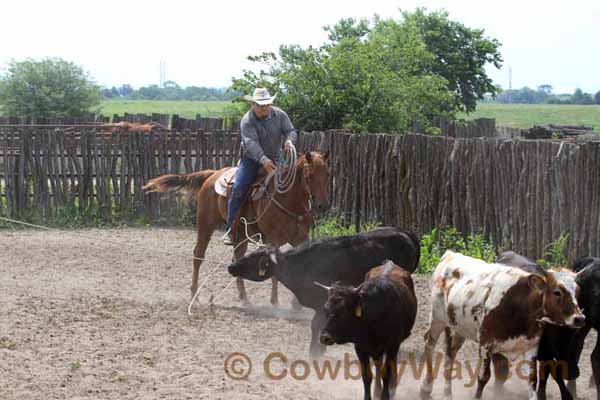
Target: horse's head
{"type": "Point", "coordinates": [315, 174]}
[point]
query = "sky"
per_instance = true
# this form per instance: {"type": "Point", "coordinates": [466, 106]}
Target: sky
{"type": "Point", "coordinates": [205, 43]}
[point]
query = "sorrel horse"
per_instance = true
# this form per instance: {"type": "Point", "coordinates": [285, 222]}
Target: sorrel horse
{"type": "Point", "coordinates": [279, 218]}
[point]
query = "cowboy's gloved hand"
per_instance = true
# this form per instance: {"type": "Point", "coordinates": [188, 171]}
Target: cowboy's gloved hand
{"type": "Point", "coordinates": [268, 165]}
{"type": "Point", "coordinates": [288, 143]}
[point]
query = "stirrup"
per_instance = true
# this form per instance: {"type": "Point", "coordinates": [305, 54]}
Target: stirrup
{"type": "Point", "coordinates": [227, 238]}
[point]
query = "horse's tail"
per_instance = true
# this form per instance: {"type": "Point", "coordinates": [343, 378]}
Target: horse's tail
{"type": "Point", "coordinates": [189, 183]}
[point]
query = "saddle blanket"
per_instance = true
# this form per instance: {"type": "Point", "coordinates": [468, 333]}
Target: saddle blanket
{"type": "Point", "coordinates": [225, 180]}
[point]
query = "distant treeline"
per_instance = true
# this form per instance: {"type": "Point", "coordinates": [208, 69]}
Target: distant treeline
{"type": "Point", "coordinates": [544, 95]}
{"type": "Point", "coordinates": [170, 91]}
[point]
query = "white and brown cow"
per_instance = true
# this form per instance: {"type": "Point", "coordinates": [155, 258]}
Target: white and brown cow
{"type": "Point", "coordinates": [502, 308]}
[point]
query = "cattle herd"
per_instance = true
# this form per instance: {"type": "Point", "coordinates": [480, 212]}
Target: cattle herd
{"type": "Point", "coordinates": [361, 290]}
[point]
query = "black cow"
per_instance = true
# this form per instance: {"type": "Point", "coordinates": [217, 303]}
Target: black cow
{"type": "Point", "coordinates": [588, 279]}
{"type": "Point", "coordinates": [553, 352]}
{"type": "Point", "coordinates": [345, 259]}
{"type": "Point", "coordinates": [377, 317]}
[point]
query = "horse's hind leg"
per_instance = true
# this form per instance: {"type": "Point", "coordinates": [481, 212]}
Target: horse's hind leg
{"type": "Point", "coordinates": [202, 240]}
{"type": "Point", "coordinates": [238, 253]}
{"type": "Point", "coordinates": [206, 222]}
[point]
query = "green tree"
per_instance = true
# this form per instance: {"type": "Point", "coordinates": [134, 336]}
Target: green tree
{"type": "Point", "coordinates": [50, 87]}
{"type": "Point", "coordinates": [545, 88]}
{"type": "Point", "coordinates": [125, 90]}
{"type": "Point", "coordinates": [597, 97]}
{"type": "Point", "coordinates": [373, 76]}
{"type": "Point", "coordinates": [579, 97]}
{"type": "Point", "coordinates": [461, 54]}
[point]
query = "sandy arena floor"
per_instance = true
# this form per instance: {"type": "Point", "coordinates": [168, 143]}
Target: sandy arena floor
{"type": "Point", "coordinates": [102, 314]}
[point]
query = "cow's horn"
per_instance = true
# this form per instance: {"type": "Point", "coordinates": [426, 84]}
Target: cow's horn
{"type": "Point", "coordinates": [328, 288]}
{"type": "Point", "coordinates": [547, 321]}
{"type": "Point", "coordinates": [358, 288]}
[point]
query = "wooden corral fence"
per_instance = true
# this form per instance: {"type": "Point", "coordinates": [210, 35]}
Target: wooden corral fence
{"type": "Point", "coordinates": [523, 194]}
{"type": "Point", "coordinates": [43, 171]}
{"type": "Point", "coordinates": [87, 119]}
{"type": "Point", "coordinates": [174, 121]}
{"type": "Point", "coordinates": [480, 127]}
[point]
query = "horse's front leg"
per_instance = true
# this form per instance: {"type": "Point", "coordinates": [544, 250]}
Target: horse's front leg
{"type": "Point", "coordinates": [238, 253]}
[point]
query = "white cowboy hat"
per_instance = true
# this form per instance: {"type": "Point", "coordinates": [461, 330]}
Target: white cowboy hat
{"type": "Point", "coordinates": [261, 97]}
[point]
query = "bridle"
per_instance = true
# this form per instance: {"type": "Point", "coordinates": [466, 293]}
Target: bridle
{"type": "Point", "coordinates": [296, 216]}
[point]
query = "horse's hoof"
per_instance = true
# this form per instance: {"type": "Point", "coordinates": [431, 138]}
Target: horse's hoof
{"type": "Point", "coordinates": [246, 303]}
{"type": "Point", "coordinates": [275, 304]}
{"type": "Point", "coordinates": [424, 395]}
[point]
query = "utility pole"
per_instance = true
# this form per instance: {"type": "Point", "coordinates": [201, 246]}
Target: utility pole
{"type": "Point", "coordinates": [163, 73]}
{"type": "Point", "coordinates": [509, 84]}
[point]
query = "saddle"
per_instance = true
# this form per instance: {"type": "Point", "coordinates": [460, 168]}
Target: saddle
{"type": "Point", "coordinates": [224, 184]}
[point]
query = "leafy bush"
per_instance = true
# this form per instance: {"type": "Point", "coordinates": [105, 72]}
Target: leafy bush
{"type": "Point", "coordinates": [333, 227]}
{"type": "Point", "coordinates": [51, 87]}
{"type": "Point", "coordinates": [555, 254]}
{"type": "Point", "coordinates": [434, 245]}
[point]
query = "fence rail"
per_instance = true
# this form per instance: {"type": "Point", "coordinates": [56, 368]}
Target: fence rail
{"type": "Point", "coordinates": [174, 121]}
{"type": "Point", "coordinates": [523, 194]}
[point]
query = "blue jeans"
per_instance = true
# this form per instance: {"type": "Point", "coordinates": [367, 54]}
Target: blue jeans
{"type": "Point", "coordinates": [244, 178]}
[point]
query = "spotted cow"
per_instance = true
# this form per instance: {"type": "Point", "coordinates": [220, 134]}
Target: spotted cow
{"type": "Point", "coordinates": [555, 354]}
{"type": "Point", "coordinates": [501, 308]}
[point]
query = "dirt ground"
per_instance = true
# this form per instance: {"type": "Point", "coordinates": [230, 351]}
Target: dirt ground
{"type": "Point", "coordinates": [102, 314]}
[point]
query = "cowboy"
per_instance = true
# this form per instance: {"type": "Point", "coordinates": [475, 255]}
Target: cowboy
{"type": "Point", "coordinates": [263, 131]}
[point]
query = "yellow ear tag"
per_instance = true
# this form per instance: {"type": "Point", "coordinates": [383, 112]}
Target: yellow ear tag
{"type": "Point", "coordinates": [261, 272]}
{"type": "Point", "coordinates": [358, 311]}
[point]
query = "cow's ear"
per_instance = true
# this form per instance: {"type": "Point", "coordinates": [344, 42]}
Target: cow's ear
{"type": "Point", "coordinates": [537, 282]}
{"type": "Point", "coordinates": [326, 156]}
{"type": "Point", "coordinates": [285, 248]}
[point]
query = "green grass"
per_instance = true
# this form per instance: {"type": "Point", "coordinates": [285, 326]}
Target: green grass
{"type": "Point", "coordinates": [512, 115]}
{"type": "Point", "coordinates": [185, 109]}
{"type": "Point", "coordinates": [527, 115]}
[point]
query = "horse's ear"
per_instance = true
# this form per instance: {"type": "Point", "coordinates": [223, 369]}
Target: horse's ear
{"type": "Point", "coordinates": [308, 157]}
{"type": "Point", "coordinates": [326, 156]}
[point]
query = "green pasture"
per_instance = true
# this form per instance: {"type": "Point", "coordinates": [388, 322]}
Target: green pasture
{"type": "Point", "coordinates": [512, 115]}
{"type": "Point", "coordinates": [185, 109]}
{"type": "Point", "coordinates": [527, 115]}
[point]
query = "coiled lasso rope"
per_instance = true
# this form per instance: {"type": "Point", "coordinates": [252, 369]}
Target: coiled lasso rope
{"type": "Point", "coordinates": [285, 172]}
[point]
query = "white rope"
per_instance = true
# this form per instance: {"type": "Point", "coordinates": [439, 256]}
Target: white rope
{"type": "Point", "coordinates": [285, 172]}
{"type": "Point", "coordinates": [214, 299]}
{"type": "Point", "coordinates": [258, 242]}
{"type": "Point", "coordinates": [248, 239]}
{"type": "Point", "coordinates": [121, 244]}
{"type": "Point", "coordinates": [208, 276]}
